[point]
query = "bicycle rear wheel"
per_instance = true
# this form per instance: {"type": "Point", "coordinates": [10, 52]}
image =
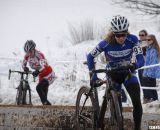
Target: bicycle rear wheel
{"type": "Point", "coordinates": [115, 119]}
{"type": "Point", "coordinates": [85, 110]}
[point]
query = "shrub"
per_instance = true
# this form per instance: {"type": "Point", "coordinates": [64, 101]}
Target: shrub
{"type": "Point", "coordinates": [84, 32]}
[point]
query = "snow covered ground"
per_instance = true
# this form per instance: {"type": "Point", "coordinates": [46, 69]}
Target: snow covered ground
{"type": "Point", "coordinates": [46, 23]}
{"type": "Point", "coordinates": [71, 75]}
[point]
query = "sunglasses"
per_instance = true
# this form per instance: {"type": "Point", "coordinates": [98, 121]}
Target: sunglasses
{"type": "Point", "coordinates": [30, 51]}
{"type": "Point", "coordinates": [148, 39]}
{"type": "Point", "coordinates": [141, 35]}
{"type": "Point", "coordinates": [118, 35]}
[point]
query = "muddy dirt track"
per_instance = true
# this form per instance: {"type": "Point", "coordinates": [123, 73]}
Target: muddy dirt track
{"type": "Point", "coordinates": [57, 118]}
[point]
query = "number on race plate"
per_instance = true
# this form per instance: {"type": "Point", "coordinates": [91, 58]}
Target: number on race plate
{"type": "Point", "coordinates": [95, 52]}
{"type": "Point", "coordinates": [137, 50]}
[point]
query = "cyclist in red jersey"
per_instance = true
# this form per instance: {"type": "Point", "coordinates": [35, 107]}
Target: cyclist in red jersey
{"type": "Point", "coordinates": [44, 71]}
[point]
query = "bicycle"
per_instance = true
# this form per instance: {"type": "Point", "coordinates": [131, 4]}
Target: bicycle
{"type": "Point", "coordinates": [23, 89]}
{"type": "Point", "coordinates": [88, 112]}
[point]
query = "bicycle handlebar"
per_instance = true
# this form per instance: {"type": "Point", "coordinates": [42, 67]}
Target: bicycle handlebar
{"type": "Point", "coordinates": [20, 72]}
{"type": "Point", "coordinates": [113, 69]}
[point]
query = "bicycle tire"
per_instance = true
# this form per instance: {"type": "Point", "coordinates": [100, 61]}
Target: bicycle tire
{"type": "Point", "coordinates": [86, 117]}
{"type": "Point", "coordinates": [19, 96]}
{"type": "Point", "coordinates": [24, 97]}
{"type": "Point", "coordinates": [30, 99]}
{"type": "Point", "coordinates": [27, 95]}
{"type": "Point", "coordinates": [115, 119]}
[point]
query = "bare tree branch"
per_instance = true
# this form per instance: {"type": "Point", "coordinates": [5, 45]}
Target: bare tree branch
{"type": "Point", "coordinates": [149, 7]}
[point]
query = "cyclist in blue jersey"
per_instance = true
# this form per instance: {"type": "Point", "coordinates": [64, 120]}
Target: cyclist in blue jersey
{"type": "Point", "coordinates": [120, 45]}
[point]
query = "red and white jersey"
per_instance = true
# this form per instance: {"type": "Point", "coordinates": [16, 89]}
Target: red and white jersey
{"type": "Point", "coordinates": [38, 62]}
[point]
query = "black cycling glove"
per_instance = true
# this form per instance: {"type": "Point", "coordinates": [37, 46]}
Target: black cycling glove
{"type": "Point", "coordinates": [35, 73]}
{"type": "Point", "coordinates": [26, 69]}
{"type": "Point", "coordinates": [133, 67]}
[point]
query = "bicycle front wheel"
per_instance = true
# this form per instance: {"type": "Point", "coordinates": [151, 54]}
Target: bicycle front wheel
{"type": "Point", "coordinates": [85, 110]}
{"type": "Point", "coordinates": [115, 119]}
{"type": "Point", "coordinates": [19, 96]}
{"type": "Point", "coordinates": [27, 95]}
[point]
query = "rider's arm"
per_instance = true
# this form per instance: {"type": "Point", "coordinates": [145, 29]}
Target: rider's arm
{"type": "Point", "coordinates": [25, 60]}
{"type": "Point", "coordinates": [94, 53]}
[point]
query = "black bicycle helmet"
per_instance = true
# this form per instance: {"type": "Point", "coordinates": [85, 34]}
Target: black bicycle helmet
{"type": "Point", "coordinates": [29, 46]}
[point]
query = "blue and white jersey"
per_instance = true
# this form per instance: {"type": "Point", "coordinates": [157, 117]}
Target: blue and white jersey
{"type": "Point", "coordinates": [117, 52]}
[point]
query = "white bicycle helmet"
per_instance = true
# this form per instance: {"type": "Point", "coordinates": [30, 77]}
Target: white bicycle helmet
{"type": "Point", "coordinates": [119, 24]}
{"type": "Point", "coordinates": [29, 46]}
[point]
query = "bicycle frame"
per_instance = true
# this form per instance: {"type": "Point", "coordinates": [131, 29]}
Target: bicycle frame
{"type": "Point", "coordinates": [109, 87]}
{"type": "Point", "coordinates": [94, 116]}
{"type": "Point", "coordinates": [99, 113]}
{"type": "Point", "coordinates": [22, 88]}
{"type": "Point", "coordinates": [93, 90]}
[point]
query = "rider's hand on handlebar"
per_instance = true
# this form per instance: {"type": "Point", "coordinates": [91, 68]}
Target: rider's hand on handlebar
{"type": "Point", "coordinates": [35, 73]}
{"type": "Point", "coordinates": [133, 67]}
{"type": "Point", "coordinates": [26, 69]}
{"type": "Point", "coordinates": [97, 83]}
